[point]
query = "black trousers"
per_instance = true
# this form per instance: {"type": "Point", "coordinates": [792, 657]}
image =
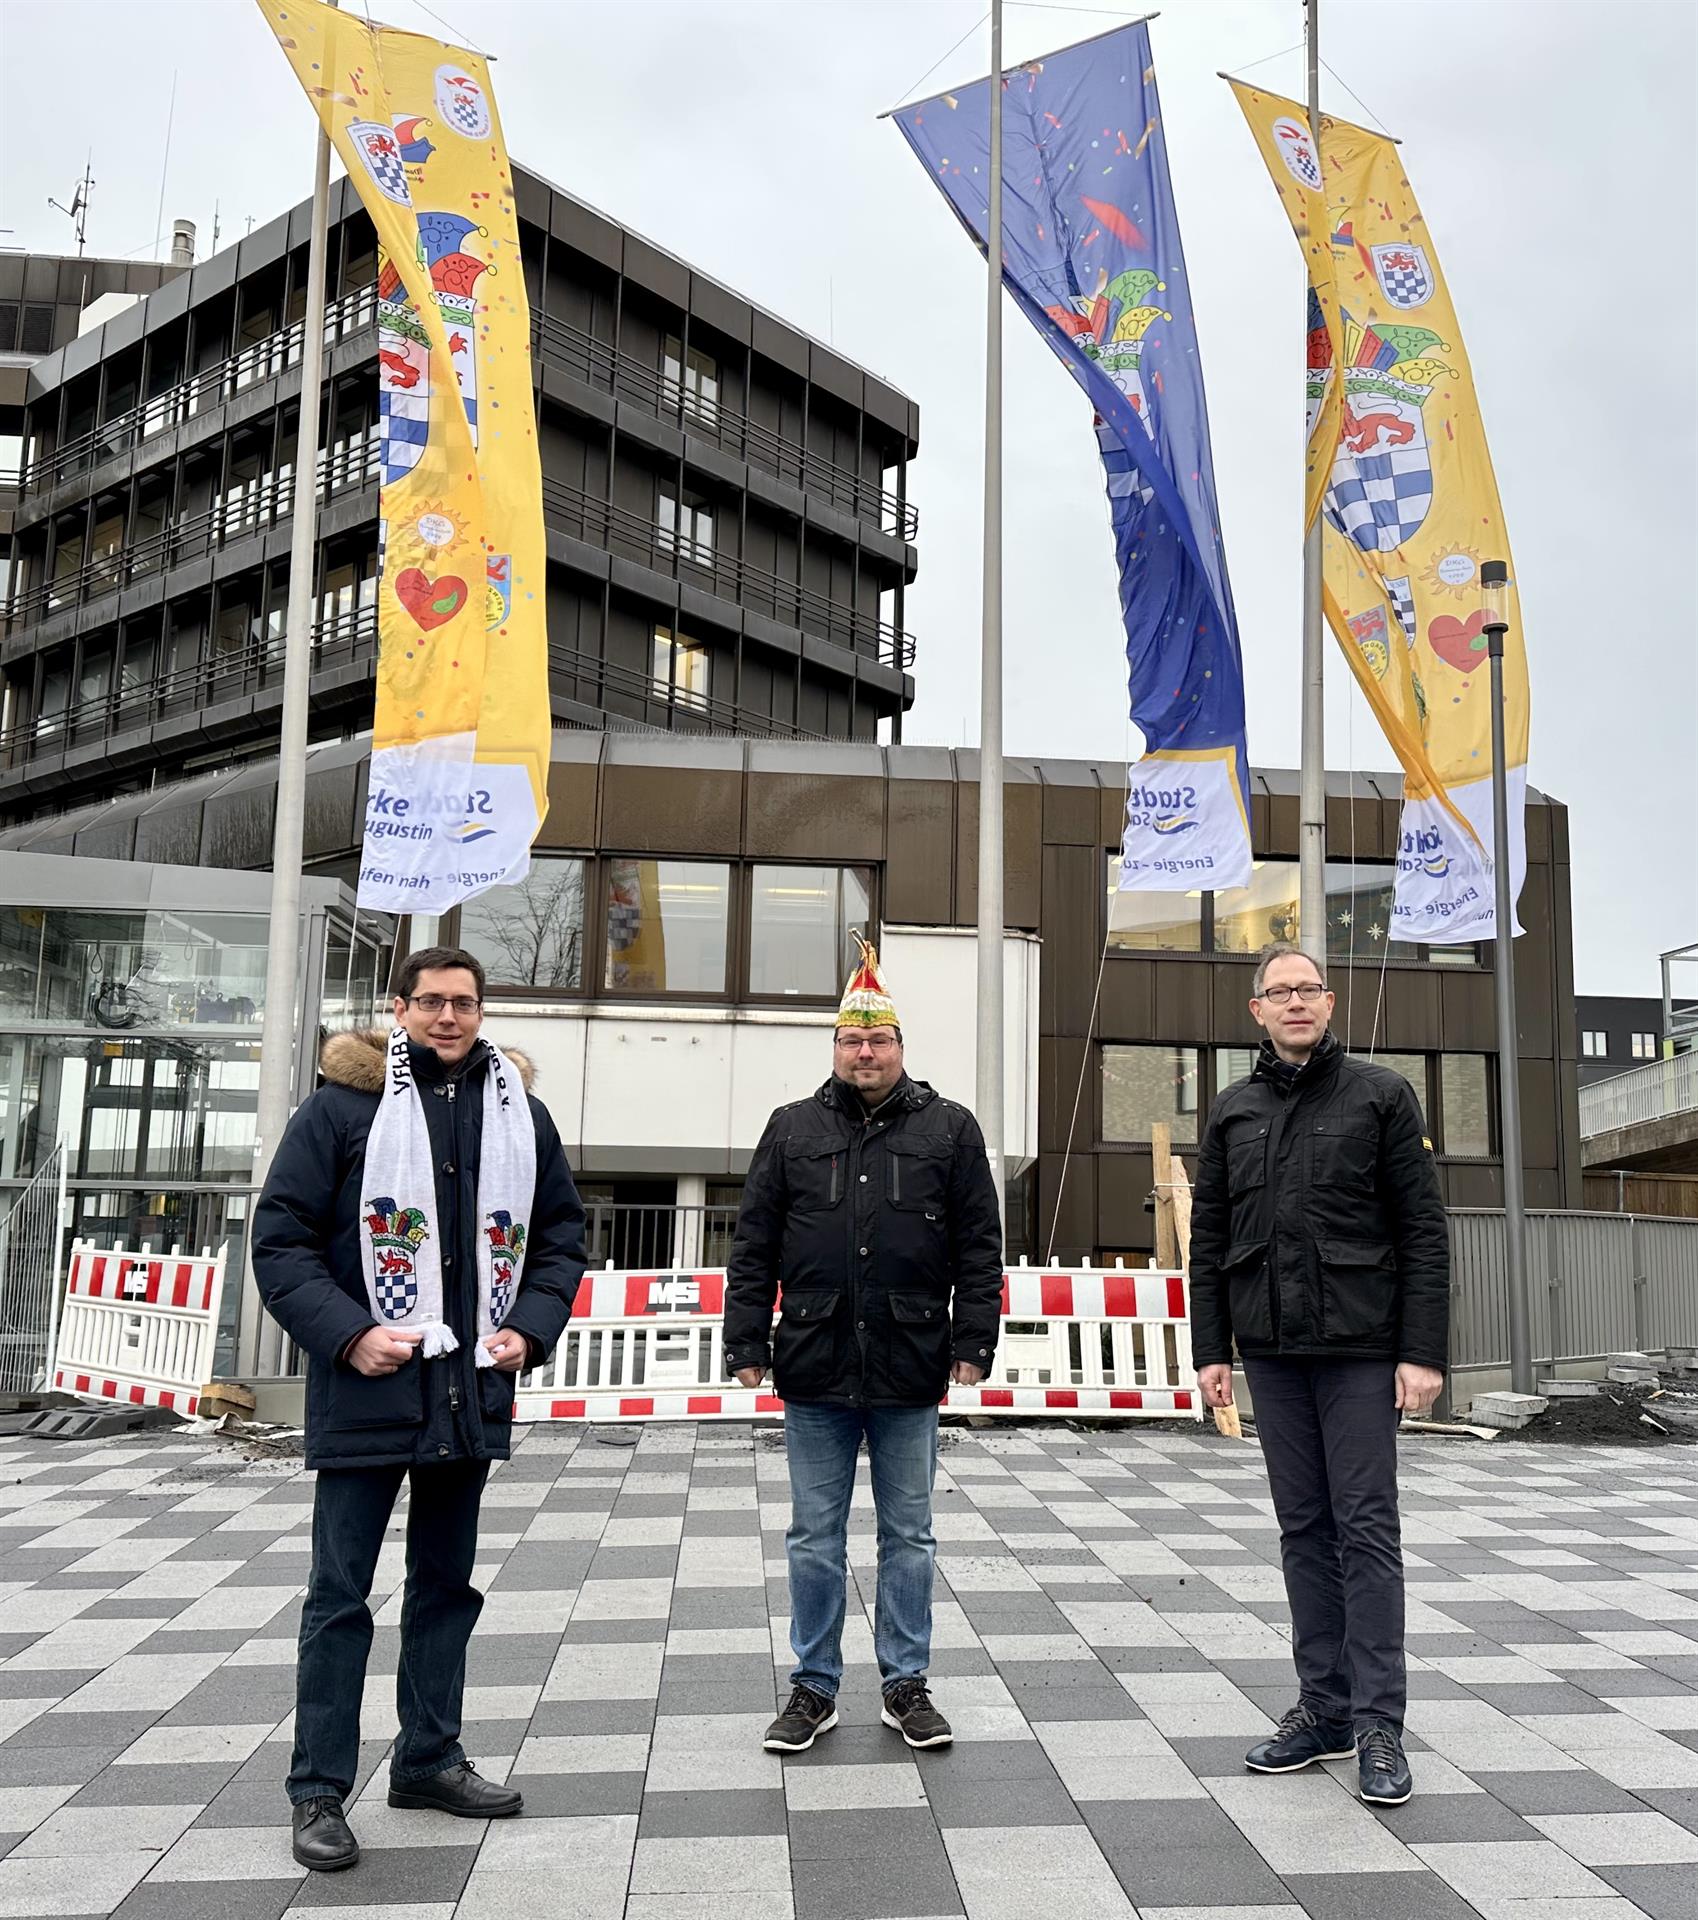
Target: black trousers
{"type": "Point", "coordinates": [1329, 1436]}
{"type": "Point", "coordinates": [351, 1509]}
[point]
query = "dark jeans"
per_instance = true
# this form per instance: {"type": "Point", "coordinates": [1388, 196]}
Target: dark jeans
{"type": "Point", "coordinates": [821, 1444]}
{"type": "Point", "coordinates": [1329, 1436]}
{"type": "Point", "coordinates": [351, 1509]}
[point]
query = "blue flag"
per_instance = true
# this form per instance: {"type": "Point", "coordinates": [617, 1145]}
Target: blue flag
{"type": "Point", "coordinates": [1091, 253]}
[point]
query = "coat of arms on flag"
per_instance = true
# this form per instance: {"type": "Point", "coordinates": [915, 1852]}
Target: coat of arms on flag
{"type": "Point", "coordinates": [396, 1235]}
{"type": "Point", "coordinates": [1405, 278]}
{"type": "Point", "coordinates": [381, 151]}
{"type": "Point", "coordinates": [461, 102]}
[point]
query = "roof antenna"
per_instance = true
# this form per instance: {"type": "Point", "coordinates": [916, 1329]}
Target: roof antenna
{"type": "Point", "coordinates": [78, 209]}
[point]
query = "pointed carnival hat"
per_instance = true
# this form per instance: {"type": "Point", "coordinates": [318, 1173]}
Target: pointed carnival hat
{"type": "Point", "coordinates": [866, 999]}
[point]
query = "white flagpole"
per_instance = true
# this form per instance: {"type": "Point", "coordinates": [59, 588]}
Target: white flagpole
{"type": "Point", "coordinates": [1312, 840]}
{"type": "Point", "coordinates": [282, 960]}
{"type": "Point", "coordinates": [988, 1101]}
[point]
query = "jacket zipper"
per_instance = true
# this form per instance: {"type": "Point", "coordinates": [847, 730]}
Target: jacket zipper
{"type": "Point", "coordinates": [836, 1185]}
{"type": "Point", "coordinates": [895, 1160]}
{"type": "Point", "coordinates": [454, 1137]}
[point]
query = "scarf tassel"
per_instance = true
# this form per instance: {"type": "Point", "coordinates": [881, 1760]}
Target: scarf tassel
{"type": "Point", "coordinates": [439, 1338]}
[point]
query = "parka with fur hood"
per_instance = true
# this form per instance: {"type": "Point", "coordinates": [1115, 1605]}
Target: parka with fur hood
{"type": "Point", "coordinates": [306, 1255]}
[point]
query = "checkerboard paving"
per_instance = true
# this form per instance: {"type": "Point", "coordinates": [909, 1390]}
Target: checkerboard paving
{"type": "Point", "coordinates": [1111, 1633]}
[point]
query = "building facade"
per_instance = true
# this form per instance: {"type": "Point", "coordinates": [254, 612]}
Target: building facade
{"type": "Point", "coordinates": [674, 961]}
{"type": "Point", "coordinates": [1614, 1033]}
{"type": "Point", "coordinates": [729, 535]}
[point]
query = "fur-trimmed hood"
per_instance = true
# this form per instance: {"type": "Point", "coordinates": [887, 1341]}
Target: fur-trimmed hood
{"type": "Point", "coordinates": [356, 1060]}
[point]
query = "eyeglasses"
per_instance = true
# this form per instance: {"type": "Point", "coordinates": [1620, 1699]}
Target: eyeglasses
{"type": "Point", "coordinates": [1308, 993]}
{"type": "Point", "coordinates": [464, 1005]}
{"type": "Point", "coordinates": [854, 1042]}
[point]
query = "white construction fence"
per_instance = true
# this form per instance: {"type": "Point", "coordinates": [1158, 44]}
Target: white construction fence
{"type": "Point", "coordinates": [138, 1328]}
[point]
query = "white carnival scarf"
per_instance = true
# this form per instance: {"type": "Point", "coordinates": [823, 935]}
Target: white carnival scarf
{"type": "Point", "coordinates": [400, 1241]}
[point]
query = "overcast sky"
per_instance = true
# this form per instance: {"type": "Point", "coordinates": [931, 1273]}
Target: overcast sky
{"type": "Point", "coordinates": [1551, 144]}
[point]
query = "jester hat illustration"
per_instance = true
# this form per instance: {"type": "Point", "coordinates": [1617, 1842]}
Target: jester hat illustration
{"type": "Point", "coordinates": [866, 999]}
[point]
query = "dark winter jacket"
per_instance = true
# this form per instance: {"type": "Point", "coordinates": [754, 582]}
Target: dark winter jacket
{"type": "Point", "coordinates": [868, 1222]}
{"type": "Point", "coordinates": [1317, 1227]}
{"type": "Point", "coordinates": [306, 1255]}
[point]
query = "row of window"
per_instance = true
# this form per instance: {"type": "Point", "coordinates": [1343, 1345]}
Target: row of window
{"type": "Point", "coordinates": [1144, 1084]}
{"type": "Point", "coordinates": [708, 929]}
{"type": "Point", "coordinates": [1595, 1045]}
{"type": "Point", "coordinates": [1244, 919]}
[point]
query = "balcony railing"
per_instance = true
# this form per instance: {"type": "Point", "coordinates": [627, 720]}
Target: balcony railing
{"type": "Point", "coordinates": [211, 387]}
{"type": "Point", "coordinates": [560, 345]}
{"type": "Point", "coordinates": [256, 663]}
{"type": "Point", "coordinates": [620, 531]}
{"type": "Point", "coordinates": [244, 511]}
{"type": "Point", "coordinates": [1654, 1092]}
{"type": "Point", "coordinates": [678, 711]}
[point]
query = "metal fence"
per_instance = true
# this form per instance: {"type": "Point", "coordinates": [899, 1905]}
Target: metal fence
{"type": "Point", "coordinates": [29, 1276]}
{"type": "Point", "coordinates": [1646, 1093]}
{"type": "Point", "coordinates": [1600, 1283]}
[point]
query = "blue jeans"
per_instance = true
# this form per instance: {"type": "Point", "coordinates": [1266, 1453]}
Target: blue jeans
{"type": "Point", "coordinates": [821, 1444]}
{"type": "Point", "coordinates": [351, 1509]}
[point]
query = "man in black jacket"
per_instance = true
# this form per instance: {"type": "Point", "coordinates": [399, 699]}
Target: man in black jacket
{"type": "Point", "coordinates": [378, 1412]}
{"type": "Point", "coordinates": [869, 1204]}
{"type": "Point", "coordinates": [1319, 1244]}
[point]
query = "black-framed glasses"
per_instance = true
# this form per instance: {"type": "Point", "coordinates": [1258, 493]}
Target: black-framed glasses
{"type": "Point", "coordinates": [854, 1042]}
{"type": "Point", "coordinates": [1308, 993]}
{"type": "Point", "coordinates": [463, 1004]}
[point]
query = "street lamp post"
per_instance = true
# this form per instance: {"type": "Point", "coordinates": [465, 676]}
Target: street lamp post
{"type": "Point", "coordinates": [1494, 582]}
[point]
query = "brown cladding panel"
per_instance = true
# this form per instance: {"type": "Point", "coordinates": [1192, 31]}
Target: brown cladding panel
{"type": "Point", "coordinates": [1067, 969]}
{"type": "Point", "coordinates": [1258, 818]}
{"type": "Point", "coordinates": [1127, 1009]}
{"type": "Point", "coordinates": [1535, 990]}
{"type": "Point", "coordinates": [1022, 867]}
{"type": "Point", "coordinates": [1469, 1007]}
{"type": "Point", "coordinates": [1074, 1230]}
{"type": "Point", "coordinates": [1411, 1015]}
{"type": "Point", "coordinates": [1368, 827]}
{"type": "Point", "coordinates": [1229, 990]}
{"type": "Point", "coordinates": [1182, 1006]}
{"type": "Point", "coordinates": [1059, 1062]}
{"type": "Point", "coordinates": [919, 854]}
{"type": "Point", "coordinates": [674, 810]}
{"type": "Point", "coordinates": [571, 818]}
{"type": "Point", "coordinates": [656, 271]}
{"type": "Point", "coordinates": [1124, 1183]}
{"type": "Point", "coordinates": [1070, 815]}
{"type": "Point", "coordinates": [1538, 1114]}
{"type": "Point", "coordinates": [1284, 818]}
{"type": "Point", "coordinates": [1538, 836]}
{"type": "Point", "coordinates": [1471, 1184]}
{"type": "Point", "coordinates": [800, 816]}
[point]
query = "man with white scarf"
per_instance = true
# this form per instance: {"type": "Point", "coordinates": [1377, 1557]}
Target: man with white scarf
{"type": "Point", "coordinates": [421, 1239]}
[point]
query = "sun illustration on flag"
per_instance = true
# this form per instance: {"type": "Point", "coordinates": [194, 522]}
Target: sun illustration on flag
{"type": "Point", "coordinates": [1453, 570]}
{"type": "Point", "coordinates": [435, 530]}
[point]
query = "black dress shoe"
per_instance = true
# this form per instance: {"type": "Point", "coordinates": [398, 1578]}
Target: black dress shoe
{"type": "Point", "coordinates": [322, 1841]}
{"type": "Point", "coordinates": [1383, 1778]}
{"type": "Point", "coordinates": [459, 1790]}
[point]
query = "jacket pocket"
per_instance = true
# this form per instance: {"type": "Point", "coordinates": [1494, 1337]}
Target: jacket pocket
{"type": "Point", "coordinates": [496, 1388]}
{"type": "Point", "coordinates": [1344, 1153]}
{"type": "Point", "coordinates": [918, 1180]}
{"type": "Point", "coordinates": [813, 1173]}
{"type": "Point", "coordinates": [804, 1346]}
{"type": "Point", "coordinates": [1245, 1271]}
{"type": "Point", "coordinates": [1358, 1292]}
{"type": "Point", "coordinates": [395, 1399]}
{"type": "Point", "coordinates": [919, 1350]}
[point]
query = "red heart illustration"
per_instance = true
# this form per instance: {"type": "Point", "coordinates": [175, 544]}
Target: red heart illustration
{"type": "Point", "coordinates": [1458, 643]}
{"type": "Point", "coordinates": [432, 603]}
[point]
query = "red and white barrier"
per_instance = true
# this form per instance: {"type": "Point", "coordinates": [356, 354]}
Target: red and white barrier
{"type": "Point", "coordinates": [1104, 1342]}
{"type": "Point", "coordinates": [139, 1328]}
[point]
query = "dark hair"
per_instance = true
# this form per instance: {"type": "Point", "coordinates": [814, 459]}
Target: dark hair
{"type": "Point", "coordinates": [430, 960]}
{"type": "Point", "coordinates": [1281, 950]}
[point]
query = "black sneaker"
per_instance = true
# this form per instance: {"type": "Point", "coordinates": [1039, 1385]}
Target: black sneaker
{"type": "Point", "coordinates": [805, 1717]}
{"type": "Point", "coordinates": [1301, 1739]}
{"type": "Point", "coordinates": [908, 1708]}
{"type": "Point", "coordinates": [1383, 1778]}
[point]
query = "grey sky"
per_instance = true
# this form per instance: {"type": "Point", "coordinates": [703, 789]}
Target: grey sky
{"type": "Point", "coordinates": [1551, 144]}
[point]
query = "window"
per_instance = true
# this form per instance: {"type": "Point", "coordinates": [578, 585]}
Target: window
{"type": "Point", "coordinates": [1359, 914]}
{"type": "Point", "coordinates": [691, 379]}
{"type": "Point", "coordinates": [1644, 1046]}
{"type": "Point", "coordinates": [1233, 1064]}
{"type": "Point", "coordinates": [55, 698]}
{"type": "Point", "coordinates": [686, 525]}
{"type": "Point", "coordinates": [1413, 1067]}
{"type": "Point", "coordinates": [1247, 918]}
{"type": "Point", "coordinates": [681, 669]}
{"type": "Point", "coordinates": [1465, 1102]}
{"type": "Point", "coordinates": [1144, 1084]}
{"type": "Point", "coordinates": [532, 934]}
{"type": "Point", "coordinates": [800, 920]}
{"type": "Point", "coordinates": [1164, 922]}
{"type": "Point", "coordinates": [667, 922]}
{"type": "Point", "coordinates": [1594, 1046]}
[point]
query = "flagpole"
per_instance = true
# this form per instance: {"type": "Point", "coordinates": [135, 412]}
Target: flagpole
{"type": "Point", "coordinates": [282, 960]}
{"type": "Point", "coordinates": [988, 1090]}
{"type": "Point", "coordinates": [1312, 832]}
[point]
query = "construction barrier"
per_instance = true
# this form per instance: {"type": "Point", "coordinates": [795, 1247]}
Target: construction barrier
{"type": "Point", "coordinates": [138, 1327]}
{"type": "Point", "coordinates": [1110, 1342]}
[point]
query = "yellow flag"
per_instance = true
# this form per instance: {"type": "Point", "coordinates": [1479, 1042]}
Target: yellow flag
{"type": "Point", "coordinates": [460, 742]}
{"type": "Point", "coordinates": [1404, 479]}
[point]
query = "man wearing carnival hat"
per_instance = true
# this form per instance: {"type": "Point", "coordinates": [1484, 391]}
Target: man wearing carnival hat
{"type": "Point", "coordinates": [421, 1240]}
{"type": "Point", "coordinates": [872, 1206]}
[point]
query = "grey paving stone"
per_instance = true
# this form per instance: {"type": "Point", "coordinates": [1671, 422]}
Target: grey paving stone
{"type": "Point", "coordinates": [572, 1796]}
{"type": "Point", "coordinates": [1453, 1816]}
{"type": "Point", "coordinates": [155, 1786]}
{"type": "Point", "coordinates": [863, 1836]}
{"type": "Point", "coordinates": [1575, 1792]}
{"type": "Point", "coordinates": [1663, 1893]}
{"type": "Point", "coordinates": [208, 1900]}
{"type": "Point", "coordinates": [1377, 1896]}
{"type": "Point", "coordinates": [249, 1803]}
{"type": "Point", "coordinates": [1182, 1853]}
{"type": "Point", "coordinates": [393, 1876]}
{"type": "Point", "coordinates": [592, 1716]}
{"type": "Point", "coordinates": [691, 1816]}
{"type": "Point", "coordinates": [958, 1801]}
